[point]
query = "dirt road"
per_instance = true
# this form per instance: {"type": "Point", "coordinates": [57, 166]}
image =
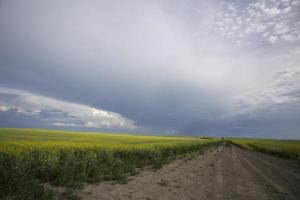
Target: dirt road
{"type": "Point", "coordinates": [221, 173]}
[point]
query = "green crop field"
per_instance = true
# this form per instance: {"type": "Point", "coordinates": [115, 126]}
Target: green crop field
{"type": "Point", "coordinates": [29, 158]}
{"type": "Point", "coordinates": [281, 148]}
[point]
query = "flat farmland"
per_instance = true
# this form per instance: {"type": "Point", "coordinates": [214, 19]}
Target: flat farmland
{"type": "Point", "coordinates": [48, 164]}
{"type": "Point", "coordinates": [29, 158]}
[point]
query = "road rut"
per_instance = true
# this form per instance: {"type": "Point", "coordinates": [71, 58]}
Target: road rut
{"type": "Point", "coordinates": [220, 173]}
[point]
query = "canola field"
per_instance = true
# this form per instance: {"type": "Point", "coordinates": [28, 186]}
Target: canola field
{"type": "Point", "coordinates": [280, 148]}
{"type": "Point", "coordinates": [29, 158]}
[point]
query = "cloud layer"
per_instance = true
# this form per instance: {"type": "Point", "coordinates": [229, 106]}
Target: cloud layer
{"type": "Point", "coordinates": [187, 67]}
{"type": "Point", "coordinates": [60, 113]}
{"type": "Point", "coordinates": [270, 21]}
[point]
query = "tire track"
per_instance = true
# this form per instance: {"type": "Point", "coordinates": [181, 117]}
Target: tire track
{"type": "Point", "coordinates": [258, 159]}
{"type": "Point", "coordinates": [247, 187]}
{"type": "Point", "coordinates": [225, 173]}
{"type": "Point", "coordinates": [267, 175]}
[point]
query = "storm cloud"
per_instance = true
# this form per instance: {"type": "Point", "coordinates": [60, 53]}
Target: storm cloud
{"type": "Point", "coordinates": [226, 68]}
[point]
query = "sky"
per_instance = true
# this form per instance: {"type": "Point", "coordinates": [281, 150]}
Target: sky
{"type": "Point", "coordinates": [186, 67]}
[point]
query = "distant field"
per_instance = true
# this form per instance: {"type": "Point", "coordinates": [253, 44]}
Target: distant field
{"type": "Point", "coordinates": [35, 138]}
{"type": "Point", "coordinates": [281, 148]}
{"type": "Point", "coordinates": [30, 157]}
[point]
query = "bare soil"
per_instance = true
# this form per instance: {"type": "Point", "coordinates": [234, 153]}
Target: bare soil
{"type": "Point", "coordinates": [220, 173]}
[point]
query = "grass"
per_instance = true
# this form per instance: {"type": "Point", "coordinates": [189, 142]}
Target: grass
{"type": "Point", "coordinates": [280, 148]}
{"type": "Point", "coordinates": [29, 158]}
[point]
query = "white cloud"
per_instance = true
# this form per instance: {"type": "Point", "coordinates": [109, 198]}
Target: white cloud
{"type": "Point", "coordinates": [273, 39]}
{"type": "Point", "coordinates": [282, 90]}
{"type": "Point", "coordinates": [5, 108]}
{"type": "Point", "coordinates": [279, 19]}
{"type": "Point", "coordinates": [65, 113]}
{"type": "Point", "coordinates": [287, 9]}
{"type": "Point", "coordinates": [295, 2]}
{"type": "Point", "coordinates": [281, 28]}
{"type": "Point", "coordinates": [271, 11]}
{"type": "Point", "coordinates": [65, 124]}
{"type": "Point", "coordinates": [265, 34]}
{"type": "Point", "coordinates": [288, 37]}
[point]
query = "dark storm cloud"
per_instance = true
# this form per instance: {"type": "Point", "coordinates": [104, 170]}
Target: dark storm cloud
{"type": "Point", "coordinates": [158, 66]}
